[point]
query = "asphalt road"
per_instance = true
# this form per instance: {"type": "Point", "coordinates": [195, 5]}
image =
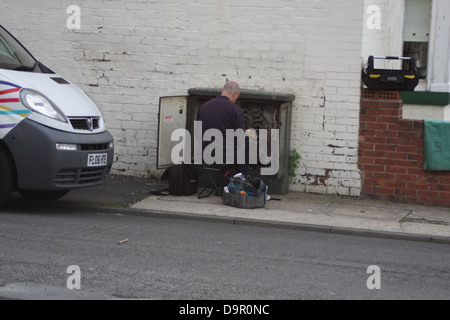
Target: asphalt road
{"type": "Point", "coordinates": [122, 256]}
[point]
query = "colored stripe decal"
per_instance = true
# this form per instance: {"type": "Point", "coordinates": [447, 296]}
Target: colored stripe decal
{"type": "Point", "coordinates": [10, 84]}
{"type": "Point", "coordinates": [9, 111]}
{"type": "Point", "coordinates": [9, 91]}
{"type": "Point", "coordinates": [9, 100]}
{"type": "Point", "coordinates": [19, 112]}
{"type": "Point", "coordinates": [22, 113]}
{"type": "Point", "coordinates": [5, 108]}
{"type": "Point", "coordinates": [7, 126]}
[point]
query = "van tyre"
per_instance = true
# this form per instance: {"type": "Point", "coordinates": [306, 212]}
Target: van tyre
{"type": "Point", "coordinates": [7, 175]}
{"type": "Point", "coordinates": [43, 195]}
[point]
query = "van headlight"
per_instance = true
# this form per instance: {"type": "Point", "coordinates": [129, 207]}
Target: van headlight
{"type": "Point", "coordinates": [36, 101]}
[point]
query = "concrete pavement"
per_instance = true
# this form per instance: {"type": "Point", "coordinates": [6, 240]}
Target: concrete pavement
{"type": "Point", "coordinates": [322, 213]}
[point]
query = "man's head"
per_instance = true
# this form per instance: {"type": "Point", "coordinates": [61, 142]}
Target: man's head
{"type": "Point", "coordinates": [231, 90]}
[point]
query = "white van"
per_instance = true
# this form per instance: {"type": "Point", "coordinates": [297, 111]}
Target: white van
{"type": "Point", "coordinates": [52, 135]}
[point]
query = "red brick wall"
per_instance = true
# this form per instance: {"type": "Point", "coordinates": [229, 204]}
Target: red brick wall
{"type": "Point", "coordinates": [391, 154]}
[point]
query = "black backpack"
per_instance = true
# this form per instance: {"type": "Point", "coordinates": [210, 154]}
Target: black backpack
{"type": "Point", "coordinates": [183, 179]}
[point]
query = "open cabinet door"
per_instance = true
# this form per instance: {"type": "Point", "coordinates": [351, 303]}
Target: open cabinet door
{"type": "Point", "coordinates": [172, 116]}
{"type": "Point", "coordinates": [285, 138]}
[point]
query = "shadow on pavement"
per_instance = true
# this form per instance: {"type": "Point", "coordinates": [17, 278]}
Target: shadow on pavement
{"type": "Point", "coordinates": [118, 191]}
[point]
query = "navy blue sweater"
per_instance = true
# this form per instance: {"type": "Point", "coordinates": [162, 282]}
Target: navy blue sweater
{"type": "Point", "coordinates": [222, 114]}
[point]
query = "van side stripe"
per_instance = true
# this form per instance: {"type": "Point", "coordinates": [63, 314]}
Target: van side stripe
{"type": "Point", "coordinates": [5, 108]}
{"type": "Point", "coordinates": [10, 84]}
{"type": "Point", "coordinates": [9, 100]}
{"type": "Point", "coordinates": [22, 113]}
{"type": "Point", "coordinates": [7, 126]}
{"type": "Point", "coordinates": [19, 112]}
{"type": "Point", "coordinates": [9, 91]}
{"type": "Point", "coordinates": [5, 111]}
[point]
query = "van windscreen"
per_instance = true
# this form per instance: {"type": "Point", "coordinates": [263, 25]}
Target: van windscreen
{"type": "Point", "coordinates": [13, 56]}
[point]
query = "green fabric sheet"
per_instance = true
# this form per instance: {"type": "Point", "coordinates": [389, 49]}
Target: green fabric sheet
{"type": "Point", "coordinates": [437, 145]}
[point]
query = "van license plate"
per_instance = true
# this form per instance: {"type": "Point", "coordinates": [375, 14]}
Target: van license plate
{"type": "Point", "coordinates": [97, 160]}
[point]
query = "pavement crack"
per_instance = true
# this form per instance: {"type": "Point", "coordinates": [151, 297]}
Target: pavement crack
{"type": "Point", "coordinates": [415, 218]}
{"type": "Point", "coordinates": [405, 218]}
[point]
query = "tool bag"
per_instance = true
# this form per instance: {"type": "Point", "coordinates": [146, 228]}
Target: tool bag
{"type": "Point", "coordinates": [247, 193]}
{"type": "Point", "coordinates": [391, 79]}
{"type": "Point", "coordinates": [183, 179]}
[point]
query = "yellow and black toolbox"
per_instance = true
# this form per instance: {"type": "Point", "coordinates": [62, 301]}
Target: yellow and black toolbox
{"type": "Point", "coordinates": [405, 78]}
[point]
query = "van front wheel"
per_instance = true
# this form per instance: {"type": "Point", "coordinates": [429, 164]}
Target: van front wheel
{"type": "Point", "coordinates": [6, 175]}
{"type": "Point", "coordinates": [43, 195]}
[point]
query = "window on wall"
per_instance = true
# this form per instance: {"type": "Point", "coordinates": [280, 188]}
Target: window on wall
{"type": "Point", "coordinates": [416, 32]}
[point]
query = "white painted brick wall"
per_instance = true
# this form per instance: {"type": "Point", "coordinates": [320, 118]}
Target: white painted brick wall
{"type": "Point", "coordinates": [129, 53]}
{"type": "Point", "coordinates": [374, 40]}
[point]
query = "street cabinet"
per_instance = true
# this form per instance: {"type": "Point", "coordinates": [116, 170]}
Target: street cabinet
{"type": "Point", "coordinates": [262, 110]}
